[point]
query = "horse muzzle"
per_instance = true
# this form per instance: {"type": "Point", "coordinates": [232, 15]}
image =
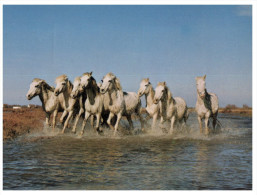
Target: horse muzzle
{"type": "Point", "coordinates": [155, 101]}
{"type": "Point", "coordinates": [29, 97]}
{"type": "Point", "coordinates": [56, 93]}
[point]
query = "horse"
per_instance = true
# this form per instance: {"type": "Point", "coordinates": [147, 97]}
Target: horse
{"type": "Point", "coordinates": [120, 103]}
{"type": "Point", "coordinates": [152, 109]}
{"type": "Point", "coordinates": [63, 91]}
{"type": "Point", "coordinates": [50, 103]}
{"type": "Point", "coordinates": [94, 101]}
{"type": "Point", "coordinates": [171, 108]}
{"type": "Point", "coordinates": [77, 94]}
{"type": "Point", "coordinates": [207, 105]}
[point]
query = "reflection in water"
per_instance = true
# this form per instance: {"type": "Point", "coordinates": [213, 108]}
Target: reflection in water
{"type": "Point", "coordinates": [146, 161]}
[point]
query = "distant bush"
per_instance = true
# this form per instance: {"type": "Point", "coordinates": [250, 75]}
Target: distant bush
{"type": "Point", "coordinates": [245, 106]}
{"type": "Point", "coordinates": [231, 106]}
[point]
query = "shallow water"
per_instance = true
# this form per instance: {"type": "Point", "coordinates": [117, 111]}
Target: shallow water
{"type": "Point", "coordinates": [140, 161]}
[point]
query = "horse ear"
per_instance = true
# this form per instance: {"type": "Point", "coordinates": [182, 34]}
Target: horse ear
{"type": "Point", "coordinates": [91, 73]}
{"type": "Point", "coordinates": [147, 79]}
{"type": "Point", "coordinates": [66, 78]}
{"type": "Point", "coordinates": [204, 77]}
{"type": "Point", "coordinates": [41, 82]}
{"type": "Point", "coordinates": [164, 83]}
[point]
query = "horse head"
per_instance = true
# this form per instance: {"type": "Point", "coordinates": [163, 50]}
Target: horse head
{"type": "Point", "coordinates": [62, 83]}
{"type": "Point", "coordinates": [144, 87]}
{"type": "Point", "coordinates": [77, 89]}
{"type": "Point", "coordinates": [200, 86]}
{"type": "Point", "coordinates": [161, 92]}
{"type": "Point", "coordinates": [110, 82]}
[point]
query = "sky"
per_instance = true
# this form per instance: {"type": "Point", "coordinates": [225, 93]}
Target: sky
{"type": "Point", "coordinates": [172, 43]}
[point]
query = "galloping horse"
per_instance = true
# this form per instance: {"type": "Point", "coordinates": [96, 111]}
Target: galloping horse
{"type": "Point", "coordinates": [170, 108]}
{"type": "Point", "coordinates": [152, 109]}
{"type": "Point", "coordinates": [207, 104]}
{"type": "Point", "coordinates": [50, 103]}
{"type": "Point", "coordinates": [120, 103]}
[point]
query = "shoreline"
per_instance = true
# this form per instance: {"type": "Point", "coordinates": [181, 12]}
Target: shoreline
{"type": "Point", "coordinates": [26, 120]}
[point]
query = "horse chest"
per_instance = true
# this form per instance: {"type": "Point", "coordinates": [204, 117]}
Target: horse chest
{"type": "Point", "coordinates": [50, 105]}
{"type": "Point", "coordinates": [93, 108]}
{"type": "Point", "coordinates": [171, 111]}
{"type": "Point", "coordinates": [151, 110]}
{"type": "Point", "coordinates": [201, 109]}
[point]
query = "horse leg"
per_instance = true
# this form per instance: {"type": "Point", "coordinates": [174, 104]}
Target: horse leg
{"type": "Point", "coordinates": [141, 120]}
{"type": "Point", "coordinates": [47, 119]}
{"type": "Point", "coordinates": [98, 117]}
{"type": "Point", "coordinates": [117, 122]}
{"type": "Point", "coordinates": [67, 121]}
{"type": "Point", "coordinates": [172, 124]}
{"type": "Point", "coordinates": [63, 115]}
{"type": "Point", "coordinates": [214, 121]}
{"type": "Point", "coordinates": [77, 119]}
{"type": "Point", "coordinates": [84, 122]}
{"type": "Point", "coordinates": [131, 127]}
{"type": "Point", "coordinates": [206, 125]}
{"type": "Point", "coordinates": [92, 121]}
{"type": "Point", "coordinates": [200, 124]}
{"type": "Point", "coordinates": [111, 115]}
{"type": "Point", "coordinates": [54, 117]}
{"type": "Point", "coordinates": [154, 120]}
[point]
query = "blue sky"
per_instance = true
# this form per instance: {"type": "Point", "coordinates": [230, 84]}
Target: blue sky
{"type": "Point", "coordinates": [172, 43]}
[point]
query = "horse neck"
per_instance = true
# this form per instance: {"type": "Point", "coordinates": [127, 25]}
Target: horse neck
{"type": "Point", "coordinates": [150, 96]}
{"type": "Point", "coordinates": [114, 95]}
{"type": "Point", "coordinates": [68, 90]}
{"type": "Point", "coordinates": [92, 91]}
{"type": "Point", "coordinates": [44, 96]}
{"type": "Point", "coordinates": [167, 100]}
{"type": "Point", "coordinates": [206, 101]}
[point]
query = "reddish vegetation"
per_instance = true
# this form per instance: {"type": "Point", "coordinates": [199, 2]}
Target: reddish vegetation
{"type": "Point", "coordinates": [17, 122]}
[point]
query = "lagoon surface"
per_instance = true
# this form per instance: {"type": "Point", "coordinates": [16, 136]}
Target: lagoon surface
{"type": "Point", "coordinates": [46, 160]}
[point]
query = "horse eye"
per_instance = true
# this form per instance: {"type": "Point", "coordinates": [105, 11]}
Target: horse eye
{"type": "Point", "coordinates": [37, 86]}
{"type": "Point", "coordinates": [110, 81]}
{"type": "Point", "coordinates": [102, 81]}
{"type": "Point", "coordinates": [63, 83]}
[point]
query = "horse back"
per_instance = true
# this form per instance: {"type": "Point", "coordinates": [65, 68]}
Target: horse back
{"type": "Point", "coordinates": [214, 103]}
{"type": "Point", "coordinates": [181, 107]}
{"type": "Point", "coordinates": [132, 101]}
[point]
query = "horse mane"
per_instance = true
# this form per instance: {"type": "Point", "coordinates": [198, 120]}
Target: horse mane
{"type": "Point", "coordinates": [77, 79]}
{"type": "Point", "coordinates": [169, 94]}
{"type": "Point", "coordinates": [116, 81]}
{"type": "Point", "coordinates": [61, 78]}
{"type": "Point", "coordinates": [44, 84]}
{"type": "Point", "coordinates": [48, 87]}
{"type": "Point", "coordinates": [69, 86]}
{"type": "Point", "coordinates": [207, 100]}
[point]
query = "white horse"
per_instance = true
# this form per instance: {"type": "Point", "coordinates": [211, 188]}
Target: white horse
{"type": "Point", "coordinates": [77, 94]}
{"type": "Point", "coordinates": [207, 104]}
{"type": "Point", "coordinates": [171, 108]}
{"type": "Point", "coordinates": [63, 91]}
{"type": "Point", "coordinates": [50, 103]}
{"type": "Point", "coordinates": [152, 109]}
{"type": "Point", "coordinates": [94, 101]}
{"type": "Point", "coordinates": [120, 103]}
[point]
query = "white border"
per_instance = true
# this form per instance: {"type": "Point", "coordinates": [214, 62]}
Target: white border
{"type": "Point", "coordinates": [141, 2]}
